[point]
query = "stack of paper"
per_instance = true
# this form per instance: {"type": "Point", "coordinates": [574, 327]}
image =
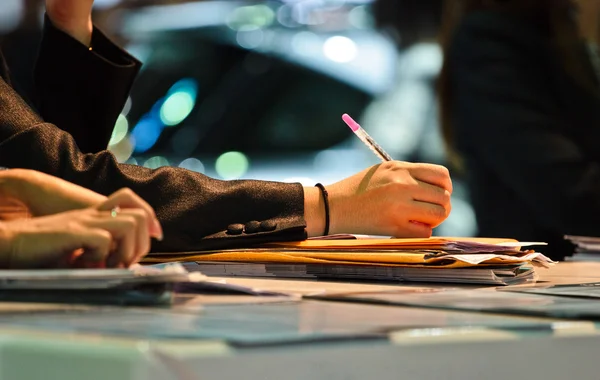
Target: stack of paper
{"type": "Point", "coordinates": [458, 260]}
{"type": "Point", "coordinates": [587, 248]}
{"type": "Point", "coordinates": [69, 279]}
{"type": "Point", "coordinates": [139, 285]}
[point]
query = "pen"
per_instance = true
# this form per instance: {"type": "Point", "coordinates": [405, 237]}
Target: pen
{"type": "Point", "coordinates": [364, 137]}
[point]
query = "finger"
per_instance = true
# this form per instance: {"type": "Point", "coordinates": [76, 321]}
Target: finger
{"type": "Point", "coordinates": [123, 229]}
{"type": "Point", "coordinates": [96, 244]}
{"type": "Point", "coordinates": [432, 174]}
{"type": "Point", "coordinates": [412, 229]}
{"type": "Point", "coordinates": [142, 246]}
{"type": "Point", "coordinates": [432, 194]}
{"type": "Point", "coordinates": [427, 213]}
{"type": "Point", "coordinates": [125, 198]}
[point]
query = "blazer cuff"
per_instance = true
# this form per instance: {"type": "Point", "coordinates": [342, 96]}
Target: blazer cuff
{"type": "Point", "coordinates": [102, 48]}
{"type": "Point", "coordinates": [286, 231]}
{"type": "Point", "coordinates": [63, 56]}
{"type": "Point", "coordinates": [232, 214]}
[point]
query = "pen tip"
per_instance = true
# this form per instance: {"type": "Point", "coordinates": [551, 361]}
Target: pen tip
{"type": "Point", "coordinates": [350, 122]}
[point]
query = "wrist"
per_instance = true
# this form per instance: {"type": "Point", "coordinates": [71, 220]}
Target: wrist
{"type": "Point", "coordinates": [344, 209]}
{"type": "Point", "coordinates": [314, 211]}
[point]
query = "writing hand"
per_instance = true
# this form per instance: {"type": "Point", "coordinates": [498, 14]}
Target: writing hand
{"type": "Point", "coordinates": [394, 198]}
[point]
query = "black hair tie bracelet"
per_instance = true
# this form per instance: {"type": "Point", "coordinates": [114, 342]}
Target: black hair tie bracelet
{"type": "Point", "coordinates": [326, 201]}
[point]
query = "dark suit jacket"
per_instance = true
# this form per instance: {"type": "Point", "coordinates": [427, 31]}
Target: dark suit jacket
{"type": "Point", "coordinates": [528, 132]}
{"type": "Point", "coordinates": [80, 95]}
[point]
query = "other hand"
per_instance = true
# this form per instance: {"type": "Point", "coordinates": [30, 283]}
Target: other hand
{"type": "Point", "coordinates": [97, 236]}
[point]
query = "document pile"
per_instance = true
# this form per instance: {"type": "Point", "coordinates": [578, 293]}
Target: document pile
{"type": "Point", "coordinates": [138, 285]}
{"type": "Point", "coordinates": [456, 260]}
{"type": "Point", "coordinates": [587, 248]}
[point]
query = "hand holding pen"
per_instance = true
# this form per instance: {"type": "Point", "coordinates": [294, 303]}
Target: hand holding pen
{"type": "Point", "coordinates": [395, 198]}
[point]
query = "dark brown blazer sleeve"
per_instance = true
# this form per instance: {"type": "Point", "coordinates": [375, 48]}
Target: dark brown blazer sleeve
{"type": "Point", "coordinates": [82, 91]}
{"type": "Point", "coordinates": [197, 212]}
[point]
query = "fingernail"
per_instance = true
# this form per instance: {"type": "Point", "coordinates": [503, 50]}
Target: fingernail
{"type": "Point", "coordinates": [157, 231]}
{"type": "Point", "coordinates": [419, 223]}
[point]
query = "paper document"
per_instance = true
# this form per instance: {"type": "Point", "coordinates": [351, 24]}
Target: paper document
{"type": "Point", "coordinates": [488, 276]}
{"type": "Point", "coordinates": [486, 261]}
{"type": "Point", "coordinates": [137, 285]}
{"type": "Point", "coordinates": [91, 278]}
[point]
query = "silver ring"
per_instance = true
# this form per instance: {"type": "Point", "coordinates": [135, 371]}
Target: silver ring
{"type": "Point", "coordinates": [114, 212]}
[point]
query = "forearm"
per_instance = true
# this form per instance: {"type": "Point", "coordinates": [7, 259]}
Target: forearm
{"type": "Point", "coordinates": [43, 194]}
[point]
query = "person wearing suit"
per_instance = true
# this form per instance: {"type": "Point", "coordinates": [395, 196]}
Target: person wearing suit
{"type": "Point", "coordinates": [520, 108]}
{"type": "Point", "coordinates": [82, 83]}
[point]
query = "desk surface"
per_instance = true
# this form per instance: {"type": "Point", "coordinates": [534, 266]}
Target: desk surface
{"type": "Point", "coordinates": [222, 336]}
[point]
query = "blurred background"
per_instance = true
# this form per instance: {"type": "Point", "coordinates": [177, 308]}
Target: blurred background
{"type": "Point", "coordinates": [256, 89]}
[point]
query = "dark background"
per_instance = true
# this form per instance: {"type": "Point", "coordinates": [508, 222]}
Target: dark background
{"type": "Point", "coordinates": [256, 89]}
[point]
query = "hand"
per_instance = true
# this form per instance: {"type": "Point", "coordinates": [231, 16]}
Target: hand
{"type": "Point", "coordinates": [398, 199]}
{"type": "Point", "coordinates": [92, 237]}
{"type": "Point", "coordinates": [74, 17]}
{"type": "Point", "coordinates": [44, 195]}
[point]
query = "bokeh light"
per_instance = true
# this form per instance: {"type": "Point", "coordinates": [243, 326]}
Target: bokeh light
{"type": "Point", "coordinates": [250, 37]}
{"type": "Point", "coordinates": [232, 165]}
{"type": "Point", "coordinates": [340, 49]}
{"type": "Point", "coordinates": [258, 15]}
{"type": "Point", "coordinates": [156, 162]}
{"type": "Point", "coordinates": [192, 164]}
{"type": "Point", "coordinates": [122, 150]}
{"type": "Point", "coordinates": [127, 107]}
{"type": "Point", "coordinates": [146, 133]}
{"type": "Point", "coordinates": [179, 102]}
{"type": "Point", "coordinates": [306, 43]}
{"type": "Point", "coordinates": [120, 130]}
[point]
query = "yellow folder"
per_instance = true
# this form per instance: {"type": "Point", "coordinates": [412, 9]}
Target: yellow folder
{"type": "Point", "coordinates": [377, 252]}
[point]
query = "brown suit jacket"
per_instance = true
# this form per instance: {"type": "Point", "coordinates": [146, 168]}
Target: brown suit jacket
{"type": "Point", "coordinates": [79, 96]}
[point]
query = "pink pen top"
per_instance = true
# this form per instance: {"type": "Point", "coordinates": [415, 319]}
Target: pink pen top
{"type": "Point", "coordinates": [350, 122]}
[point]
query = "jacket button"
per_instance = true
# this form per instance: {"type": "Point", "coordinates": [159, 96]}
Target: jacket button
{"type": "Point", "coordinates": [252, 227]}
{"type": "Point", "coordinates": [235, 229]}
{"type": "Point", "coordinates": [268, 225]}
